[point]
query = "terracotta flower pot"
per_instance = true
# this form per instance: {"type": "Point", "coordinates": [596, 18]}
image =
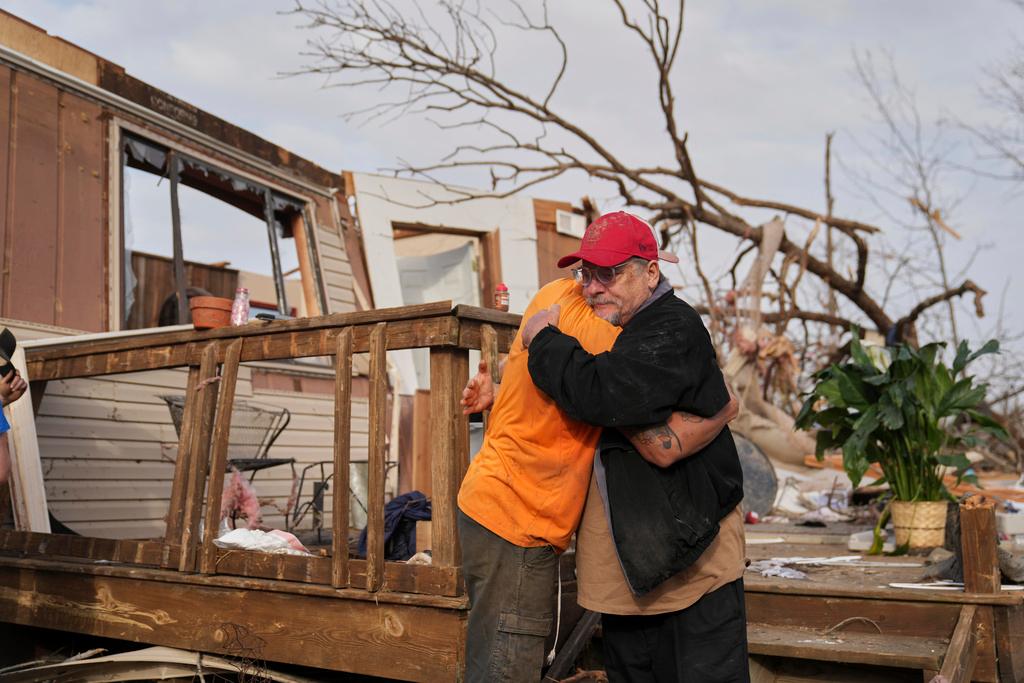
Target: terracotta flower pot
{"type": "Point", "coordinates": [921, 524]}
{"type": "Point", "coordinates": [209, 312]}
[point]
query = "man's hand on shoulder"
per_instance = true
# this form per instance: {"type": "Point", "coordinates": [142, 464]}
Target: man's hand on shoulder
{"type": "Point", "coordinates": [539, 321]}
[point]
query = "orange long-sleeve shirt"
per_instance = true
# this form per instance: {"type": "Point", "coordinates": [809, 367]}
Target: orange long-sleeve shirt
{"type": "Point", "coordinates": [529, 480]}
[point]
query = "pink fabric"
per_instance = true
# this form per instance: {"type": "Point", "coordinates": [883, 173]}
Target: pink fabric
{"type": "Point", "coordinates": [240, 498]}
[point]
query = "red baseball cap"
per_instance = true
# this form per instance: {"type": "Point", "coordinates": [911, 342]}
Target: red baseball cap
{"type": "Point", "coordinates": [615, 237]}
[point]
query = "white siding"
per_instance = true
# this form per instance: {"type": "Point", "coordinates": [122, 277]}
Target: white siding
{"type": "Point", "coordinates": [108, 447]}
{"type": "Point", "coordinates": [335, 270]}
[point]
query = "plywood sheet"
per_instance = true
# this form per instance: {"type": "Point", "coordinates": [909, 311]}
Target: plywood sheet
{"type": "Point", "coordinates": [30, 289]}
{"type": "Point", "coordinates": [81, 244]}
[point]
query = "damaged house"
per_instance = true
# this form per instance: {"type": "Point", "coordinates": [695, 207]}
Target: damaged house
{"type": "Point", "coordinates": [120, 204]}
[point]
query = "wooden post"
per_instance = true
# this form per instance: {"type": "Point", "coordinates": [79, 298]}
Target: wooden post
{"type": "Point", "coordinates": [961, 655]}
{"type": "Point", "coordinates": [377, 458]}
{"type": "Point", "coordinates": [28, 491]}
{"type": "Point", "coordinates": [303, 251]}
{"type": "Point", "coordinates": [199, 453]}
{"type": "Point", "coordinates": [449, 436]}
{"type": "Point", "coordinates": [177, 249]}
{"type": "Point", "coordinates": [342, 455]}
{"type": "Point", "coordinates": [172, 533]}
{"type": "Point", "coordinates": [1009, 633]}
{"type": "Point", "coordinates": [489, 353]}
{"type": "Point", "coordinates": [421, 446]}
{"type": "Point", "coordinates": [978, 540]}
{"type": "Point", "coordinates": [219, 455]}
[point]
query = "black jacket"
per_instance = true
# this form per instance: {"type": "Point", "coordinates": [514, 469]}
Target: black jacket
{"type": "Point", "coordinates": [662, 519]}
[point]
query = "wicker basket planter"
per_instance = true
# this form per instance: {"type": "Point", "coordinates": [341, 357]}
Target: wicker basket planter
{"type": "Point", "coordinates": [921, 524]}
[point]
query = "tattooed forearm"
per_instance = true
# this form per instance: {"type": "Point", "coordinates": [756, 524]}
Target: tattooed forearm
{"type": "Point", "coordinates": [661, 435]}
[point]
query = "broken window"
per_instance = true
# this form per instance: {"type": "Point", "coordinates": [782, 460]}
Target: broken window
{"type": "Point", "coordinates": [192, 228]}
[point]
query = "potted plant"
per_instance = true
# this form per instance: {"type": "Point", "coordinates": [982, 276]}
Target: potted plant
{"type": "Point", "coordinates": [904, 409]}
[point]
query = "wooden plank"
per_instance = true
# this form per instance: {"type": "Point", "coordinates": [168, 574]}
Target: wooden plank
{"type": "Point", "coordinates": [404, 334]}
{"type": "Point", "coordinates": [175, 512]}
{"type": "Point", "coordinates": [28, 493]}
{"type": "Point", "coordinates": [488, 315]}
{"type": "Point", "coordinates": [958, 663]}
{"type": "Point", "coordinates": [68, 347]}
{"type": "Point", "coordinates": [449, 435]}
{"type": "Point", "coordinates": [490, 271]}
{"type": "Point", "coordinates": [893, 617]}
{"type": "Point", "coordinates": [421, 444]}
{"type": "Point", "coordinates": [8, 97]}
{"type": "Point", "coordinates": [581, 634]}
{"type": "Point", "coordinates": [470, 330]}
{"type": "Point", "coordinates": [30, 268]}
{"type": "Point", "coordinates": [850, 648]}
{"type": "Point", "coordinates": [219, 455]}
{"type": "Point", "coordinates": [397, 576]}
{"type": "Point", "coordinates": [303, 248]}
{"type": "Point", "coordinates": [1009, 636]}
{"type": "Point", "coordinates": [342, 455]}
{"type": "Point", "coordinates": [985, 666]}
{"type": "Point", "coordinates": [34, 544]}
{"type": "Point", "coordinates": [141, 573]}
{"type": "Point", "coordinates": [81, 289]}
{"type": "Point", "coordinates": [198, 456]}
{"type": "Point", "coordinates": [897, 617]}
{"type": "Point", "coordinates": [761, 585]}
{"type": "Point", "coordinates": [378, 458]}
{"type": "Point", "coordinates": [489, 354]}
{"type": "Point", "coordinates": [38, 390]}
{"type": "Point", "coordinates": [978, 540]}
{"type": "Point", "coordinates": [393, 640]}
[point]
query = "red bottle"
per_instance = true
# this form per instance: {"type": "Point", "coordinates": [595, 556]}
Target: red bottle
{"type": "Point", "coordinates": [501, 297]}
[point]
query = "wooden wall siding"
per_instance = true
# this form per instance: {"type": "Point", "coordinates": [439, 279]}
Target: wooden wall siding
{"type": "Point", "coordinates": [51, 227]}
{"type": "Point", "coordinates": [335, 269]}
{"type": "Point", "coordinates": [108, 448]}
{"type": "Point", "coordinates": [551, 244]}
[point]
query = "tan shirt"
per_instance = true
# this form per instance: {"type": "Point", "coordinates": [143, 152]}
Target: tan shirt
{"type": "Point", "coordinates": [602, 586]}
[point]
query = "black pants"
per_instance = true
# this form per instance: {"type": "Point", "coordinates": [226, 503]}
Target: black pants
{"type": "Point", "coordinates": [704, 643]}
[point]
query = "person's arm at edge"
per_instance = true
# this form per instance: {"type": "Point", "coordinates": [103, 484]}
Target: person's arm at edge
{"type": "Point", "coordinates": [5, 451]}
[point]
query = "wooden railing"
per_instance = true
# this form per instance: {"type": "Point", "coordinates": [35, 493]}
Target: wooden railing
{"type": "Point", "coordinates": [213, 358]}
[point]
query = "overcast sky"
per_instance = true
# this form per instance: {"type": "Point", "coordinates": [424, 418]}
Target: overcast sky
{"type": "Point", "coordinates": [760, 82]}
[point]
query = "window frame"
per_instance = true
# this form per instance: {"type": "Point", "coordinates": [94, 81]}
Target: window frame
{"type": "Point", "coordinates": [303, 221]}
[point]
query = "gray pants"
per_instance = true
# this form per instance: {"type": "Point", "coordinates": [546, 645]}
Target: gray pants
{"type": "Point", "coordinates": [511, 603]}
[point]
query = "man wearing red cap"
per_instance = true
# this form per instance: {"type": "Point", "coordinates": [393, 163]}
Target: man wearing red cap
{"type": "Point", "coordinates": [523, 496]}
{"type": "Point", "coordinates": [660, 550]}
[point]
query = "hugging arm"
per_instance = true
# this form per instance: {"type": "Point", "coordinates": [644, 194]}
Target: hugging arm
{"type": "Point", "coordinates": [681, 436]}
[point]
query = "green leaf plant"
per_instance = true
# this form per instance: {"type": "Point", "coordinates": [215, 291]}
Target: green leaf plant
{"type": "Point", "coordinates": [904, 409]}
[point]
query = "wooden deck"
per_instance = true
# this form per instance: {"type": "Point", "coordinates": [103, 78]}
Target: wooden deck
{"type": "Point", "coordinates": [850, 615]}
{"type": "Point", "coordinates": [367, 616]}
{"type": "Point", "coordinates": [407, 622]}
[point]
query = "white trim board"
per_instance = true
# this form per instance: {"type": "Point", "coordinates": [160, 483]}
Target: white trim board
{"type": "Point", "coordinates": [382, 201]}
{"type": "Point", "coordinates": [28, 494]}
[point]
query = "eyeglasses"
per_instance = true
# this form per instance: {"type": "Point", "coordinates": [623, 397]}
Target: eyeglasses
{"type": "Point", "coordinates": [604, 274]}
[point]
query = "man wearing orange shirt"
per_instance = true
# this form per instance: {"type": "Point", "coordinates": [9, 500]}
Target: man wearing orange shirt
{"type": "Point", "coordinates": [523, 495]}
